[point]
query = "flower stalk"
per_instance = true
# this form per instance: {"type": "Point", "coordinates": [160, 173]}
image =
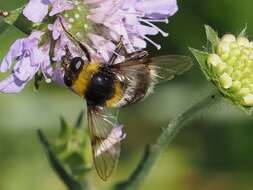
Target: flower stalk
{"type": "Point", "coordinates": [152, 154]}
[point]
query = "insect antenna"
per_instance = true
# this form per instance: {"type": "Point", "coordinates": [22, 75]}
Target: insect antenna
{"type": "Point", "coordinates": [82, 46]}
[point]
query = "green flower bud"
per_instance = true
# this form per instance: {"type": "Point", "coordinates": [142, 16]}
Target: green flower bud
{"type": "Point", "coordinates": [229, 65]}
{"type": "Point", "coordinates": [79, 25]}
{"type": "Point", "coordinates": [214, 60]}
{"type": "Point", "coordinates": [225, 81]}
{"type": "Point", "coordinates": [72, 148]}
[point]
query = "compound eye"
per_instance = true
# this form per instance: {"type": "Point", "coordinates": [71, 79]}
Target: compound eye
{"type": "Point", "coordinates": [67, 81]}
{"type": "Point", "coordinates": [76, 64]}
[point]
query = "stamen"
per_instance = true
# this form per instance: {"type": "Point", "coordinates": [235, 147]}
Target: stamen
{"type": "Point", "coordinates": [152, 42]}
{"type": "Point", "coordinates": [165, 34]}
{"type": "Point", "coordinates": [161, 20]}
{"type": "Point", "coordinates": [47, 80]}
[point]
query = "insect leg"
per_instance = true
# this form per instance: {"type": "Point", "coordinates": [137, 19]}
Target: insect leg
{"type": "Point", "coordinates": [116, 52]}
{"type": "Point", "coordinates": [136, 55]}
{"type": "Point", "coordinates": [66, 58]}
{"type": "Point", "coordinates": [82, 46]}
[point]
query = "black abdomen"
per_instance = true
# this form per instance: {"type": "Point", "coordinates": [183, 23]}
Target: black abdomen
{"type": "Point", "coordinates": [101, 87]}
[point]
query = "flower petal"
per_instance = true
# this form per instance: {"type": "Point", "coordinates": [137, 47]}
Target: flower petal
{"type": "Point", "coordinates": [36, 10]}
{"type": "Point", "coordinates": [58, 75]}
{"type": "Point", "coordinates": [164, 7]}
{"type": "Point", "coordinates": [15, 51]}
{"type": "Point", "coordinates": [60, 6]}
{"type": "Point", "coordinates": [23, 70]}
{"type": "Point", "coordinates": [45, 63]}
{"type": "Point", "coordinates": [11, 84]}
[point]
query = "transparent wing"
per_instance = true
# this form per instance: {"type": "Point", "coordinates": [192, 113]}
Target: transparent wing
{"type": "Point", "coordinates": [168, 66]}
{"type": "Point", "coordinates": [105, 140]}
{"type": "Point", "coordinates": [138, 75]}
{"type": "Point", "coordinates": [163, 68]}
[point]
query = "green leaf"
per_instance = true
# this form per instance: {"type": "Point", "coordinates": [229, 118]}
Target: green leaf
{"type": "Point", "coordinates": [3, 26]}
{"type": "Point", "coordinates": [23, 24]}
{"type": "Point", "coordinates": [76, 163]}
{"type": "Point", "coordinates": [212, 37]}
{"type": "Point", "coordinates": [18, 20]}
{"type": "Point", "coordinates": [79, 120]}
{"type": "Point", "coordinates": [56, 165]}
{"type": "Point", "coordinates": [201, 57]}
{"type": "Point", "coordinates": [13, 15]}
{"type": "Point", "coordinates": [243, 32]}
{"type": "Point", "coordinates": [247, 110]}
{"type": "Point", "coordinates": [7, 37]}
{"type": "Point", "coordinates": [64, 128]}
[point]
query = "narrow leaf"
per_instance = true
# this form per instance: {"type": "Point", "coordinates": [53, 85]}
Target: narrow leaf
{"type": "Point", "coordinates": [64, 127]}
{"type": "Point", "coordinates": [243, 32]}
{"type": "Point", "coordinates": [247, 110]}
{"type": "Point", "coordinates": [7, 37]}
{"type": "Point", "coordinates": [79, 120]}
{"type": "Point", "coordinates": [56, 165]}
{"type": "Point", "coordinates": [3, 26]}
{"type": "Point", "coordinates": [201, 57]}
{"type": "Point", "coordinates": [16, 19]}
{"type": "Point", "coordinates": [212, 36]}
{"type": "Point", "coordinates": [13, 15]}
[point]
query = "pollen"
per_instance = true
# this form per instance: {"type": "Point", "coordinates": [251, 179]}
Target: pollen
{"type": "Point", "coordinates": [85, 26]}
{"type": "Point", "coordinates": [77, 15]}
{"type": "Point", "coordinates": [71, 20]}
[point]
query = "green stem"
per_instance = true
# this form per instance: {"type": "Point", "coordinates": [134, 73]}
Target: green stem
{"type": "Point", "coordinates": [153, 153]}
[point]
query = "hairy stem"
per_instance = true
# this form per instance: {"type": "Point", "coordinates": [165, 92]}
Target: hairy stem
{"type": "Point", "coordinates": [153, 153]}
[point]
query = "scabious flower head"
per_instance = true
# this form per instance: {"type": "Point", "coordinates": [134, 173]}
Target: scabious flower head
{"type": "Point", "coordinates": [36, 10]}
{"type": "Point", "coordinates": [29, 58]}
{"type": "Point", "coordinates": [98, 24]}
{"type": "Point", "coordinates": [229, 65]}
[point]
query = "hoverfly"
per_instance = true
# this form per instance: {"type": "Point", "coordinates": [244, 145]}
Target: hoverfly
{"type": "Point", "coordinates": [111, 85]}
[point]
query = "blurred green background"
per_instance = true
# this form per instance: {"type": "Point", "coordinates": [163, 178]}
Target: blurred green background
{"type": "Point", "coordinates": [214, 152]}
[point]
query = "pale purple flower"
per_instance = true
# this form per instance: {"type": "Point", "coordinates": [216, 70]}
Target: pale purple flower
{"type": "Point", "coordinates": [36, 10]}
{"type": "Point", "coordinates": [132, 19]}
{"type": "Point", "coordinates": [108, 21]}
{"type": "Point", "coordinates": [58, 74]}
{"type": "Point", "coordinates": [62, 40]}
{"type": "Point", "coordinates": [104, 48]}
{"type": "Point", "coordinates": [60, 6]}
{"type": "Point", "coordinates": [29, 58]}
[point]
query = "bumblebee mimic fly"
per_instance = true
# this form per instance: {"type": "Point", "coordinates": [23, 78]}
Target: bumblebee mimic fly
{"type": "Point", "coordinates": [115, 85]}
